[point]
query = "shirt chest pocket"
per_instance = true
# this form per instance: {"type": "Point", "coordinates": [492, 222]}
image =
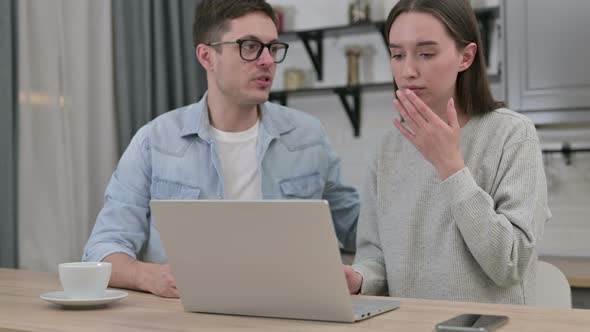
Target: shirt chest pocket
{"type": "Point", "coordinates": [164, 189]}
{"type": "Point", "coordinates": [307, 186]}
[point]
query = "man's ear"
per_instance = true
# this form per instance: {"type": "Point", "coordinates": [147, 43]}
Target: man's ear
{"type": "Point", "coordinates": [468, 55]}
{"type": "Point", "coordinates": [205, 56]}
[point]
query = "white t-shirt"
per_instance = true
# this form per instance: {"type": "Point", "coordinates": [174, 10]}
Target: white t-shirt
{"type": "Point", "coordinates": [237, 152]}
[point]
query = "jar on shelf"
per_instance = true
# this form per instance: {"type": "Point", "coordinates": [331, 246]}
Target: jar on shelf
{"type": "Point", "coordinates": [353, 58]}
{"type": "Point", "coordinates": [280, 14]}
{"type": "Point", "coordinates": [359, 12]}
{"type": "Point", "coordinates": [294, 78]}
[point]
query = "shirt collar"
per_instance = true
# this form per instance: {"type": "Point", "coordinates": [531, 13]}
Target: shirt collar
{"type": "Point", "coordinates": [274, 121]}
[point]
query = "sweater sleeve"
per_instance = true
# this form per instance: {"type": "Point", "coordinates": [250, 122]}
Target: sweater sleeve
{"type": "Point", "coordinates": [502, 228]}
{"type": "Point", "coordinates": [369, 261]}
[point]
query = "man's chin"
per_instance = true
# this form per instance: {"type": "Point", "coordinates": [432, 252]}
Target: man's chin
{"type": "Point", "coordinates": [259, 98]}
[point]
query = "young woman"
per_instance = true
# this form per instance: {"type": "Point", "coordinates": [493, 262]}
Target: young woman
{"type": "Point", "coordinates": [455, 199]}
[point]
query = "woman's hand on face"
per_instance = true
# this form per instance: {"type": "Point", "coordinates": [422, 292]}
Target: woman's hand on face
{"type": "Point", "coordinates": [438, 141]}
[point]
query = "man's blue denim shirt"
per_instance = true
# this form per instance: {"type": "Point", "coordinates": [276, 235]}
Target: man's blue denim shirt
{"type": "Point", "coordinates": [174, 157]}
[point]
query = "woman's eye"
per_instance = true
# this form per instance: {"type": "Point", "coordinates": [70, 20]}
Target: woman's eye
{"type": "Point", "coordinates": [396, 56]}
{"type": "Point", "coordinates": [426, 55]}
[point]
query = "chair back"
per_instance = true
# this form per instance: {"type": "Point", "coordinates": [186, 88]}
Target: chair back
{"type": "Point", "coordinates": [553, 289]}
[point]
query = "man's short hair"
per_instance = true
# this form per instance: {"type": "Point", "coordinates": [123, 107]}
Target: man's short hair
{"type": "Point", "coordinates": [212, 17]}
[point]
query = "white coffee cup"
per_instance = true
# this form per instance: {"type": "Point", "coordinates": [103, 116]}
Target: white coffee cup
{"type": "Point", "coordinates": [84, 280]}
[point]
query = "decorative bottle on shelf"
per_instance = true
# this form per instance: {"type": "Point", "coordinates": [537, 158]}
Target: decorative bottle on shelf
{"type": "Point", "coordinates": [294, 78]}
{"type": "Point", "coordinates": [359, 12]}
{"type": "Point", "coordinates": [353, 55]}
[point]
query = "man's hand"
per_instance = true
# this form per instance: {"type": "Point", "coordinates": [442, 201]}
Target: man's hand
{"type": "Point", "coordinates": [353, 279]}
{"type": "Point", "coordinates": [131, 274]}
{"type": "Point", "coordinates": [158, 279]}
{"type": "Point", "coordinates": [438, 141]}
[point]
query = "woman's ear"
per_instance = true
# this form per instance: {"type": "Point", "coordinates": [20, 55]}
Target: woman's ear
{"type": "Point", "coordinates": [203, 53]}
{"type": "Point", "coordinates": [468, 55]}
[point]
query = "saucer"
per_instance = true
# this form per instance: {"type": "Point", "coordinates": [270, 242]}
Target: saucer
{"type": "Point", "coordinates": [60, 297]}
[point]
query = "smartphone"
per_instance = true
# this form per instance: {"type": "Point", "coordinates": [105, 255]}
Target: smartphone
{"type": "Point", "coordinates": [472, 323]}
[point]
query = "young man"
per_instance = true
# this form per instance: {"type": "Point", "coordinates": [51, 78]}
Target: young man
{"type": "Point", "coordinates": [230, 145]}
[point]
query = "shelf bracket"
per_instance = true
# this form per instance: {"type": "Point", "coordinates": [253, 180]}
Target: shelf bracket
{"type": "Point", "coordinates": [279, 97]}
{"type": "Point", "coordinates": [316, 55]}
{"type": "Point", "coordinates": [566, 149]}
{"type": "Point", "coordinates": [352, 110]}
{"type": "Point", "coordinates": [381, 28]}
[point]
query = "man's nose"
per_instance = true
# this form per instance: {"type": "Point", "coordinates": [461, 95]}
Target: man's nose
{"type": "Point", "coordinates": [265, 58]}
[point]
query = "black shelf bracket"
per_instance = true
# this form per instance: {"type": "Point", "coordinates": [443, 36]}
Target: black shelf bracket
{"type": "Point", "coordinates": [317, 55]}
{"type": "Point", "coordinates": [567, 151]}
{"type": "Point", "coordinates": [381, 28]}
{"type": "Point", "coordinates": [278, 97]}
{"type": "Point", "coordinates": [353, 110]}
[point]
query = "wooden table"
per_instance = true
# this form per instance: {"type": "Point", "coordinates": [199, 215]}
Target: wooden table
{"type": "Point", "coordinates": [21, 309]}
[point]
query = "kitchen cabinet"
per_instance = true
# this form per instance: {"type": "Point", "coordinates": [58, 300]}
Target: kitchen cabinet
{"type": "Point", "coordinates": [548, 55]}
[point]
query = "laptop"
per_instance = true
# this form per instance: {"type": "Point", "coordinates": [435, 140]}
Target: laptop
{"type": "Point", "coordinates": [269, 258]}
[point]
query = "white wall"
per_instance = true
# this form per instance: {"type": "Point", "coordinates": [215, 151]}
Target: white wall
{"type": "Point", "coordinates": [569, 187]}
{"type": "Point", "coordinates": [569, 193]}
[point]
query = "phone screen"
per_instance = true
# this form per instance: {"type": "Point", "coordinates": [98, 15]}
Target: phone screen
{"type": "Point", "coordinates": [472, 322]}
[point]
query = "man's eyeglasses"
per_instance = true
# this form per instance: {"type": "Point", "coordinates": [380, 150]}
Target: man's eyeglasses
{"type": "Point", "coordinates": [251, 49]}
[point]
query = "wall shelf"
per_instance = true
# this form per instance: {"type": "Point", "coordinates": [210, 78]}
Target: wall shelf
{"type": "Point", "coordinates": [313, 39]}
{"type": "Point", "coordinates": [350, 96]}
